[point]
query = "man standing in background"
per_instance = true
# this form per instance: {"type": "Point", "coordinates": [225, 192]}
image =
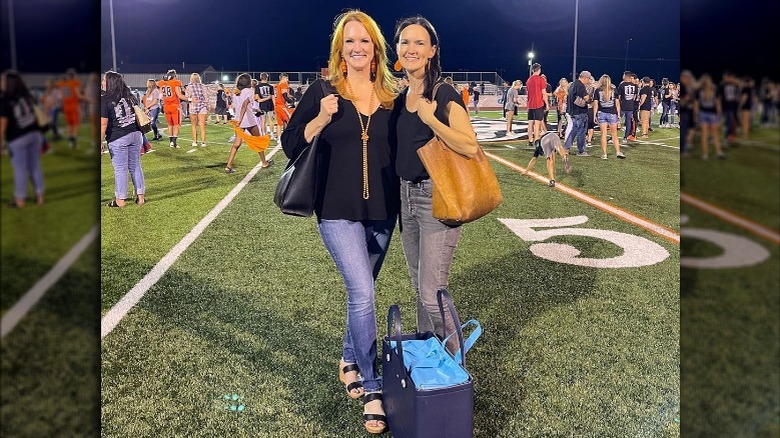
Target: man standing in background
{"type": "Point", "coordinates": [538, 102]}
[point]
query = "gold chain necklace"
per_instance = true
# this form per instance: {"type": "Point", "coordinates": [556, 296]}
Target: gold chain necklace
{"type": "Point", "coordinates": [363, 136]}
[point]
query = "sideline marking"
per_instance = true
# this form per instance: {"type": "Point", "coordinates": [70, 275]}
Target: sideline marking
{"type": "Point", "coordinates": [20, 309]}
{"type": "Point", "coordinates": [120, 309]}
{"type": "Point", "coordinates": [732, 218]}
{"type": "Point", "coordinates": [618, 212]}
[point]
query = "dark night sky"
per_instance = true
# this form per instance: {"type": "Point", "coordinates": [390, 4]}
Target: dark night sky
{"type": "Point", "coordinates": [488, 35]}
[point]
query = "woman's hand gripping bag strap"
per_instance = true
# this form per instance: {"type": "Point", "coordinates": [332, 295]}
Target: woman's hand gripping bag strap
{"type": "Point", "coordinates": [464, 189]}
{"type": "Point", "coordinates": [296, 191]}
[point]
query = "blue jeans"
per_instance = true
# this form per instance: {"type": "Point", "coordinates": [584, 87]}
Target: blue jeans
{"type": "Point", "coordinates": [628, 123]}
{"type": "Point", "coordinates": [358, 249]}
{"type": "Point", "coordinates": [25, 154]}
{"type": "Point", "coordinates": [429, 246]}
{"type": "Point", "coordinates": [153, 113]}
{"type": "Point", "coordinates": [665, 113]}
{"type": "Point", "coordinates": [126, 157]}
{"type": "Point", "coordinates": [578, 131]}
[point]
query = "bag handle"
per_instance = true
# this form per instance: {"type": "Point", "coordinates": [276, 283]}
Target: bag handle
{"type": "Point", "coordinates": [443, 295]}
{"type": "Point", "coordinates": [472, 337]}
{"type": "Point", "coordinates": [394, 329]}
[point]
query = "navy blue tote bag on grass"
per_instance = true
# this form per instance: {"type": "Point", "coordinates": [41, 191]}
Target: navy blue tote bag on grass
{"type": "Point", "coordinates": [426, 391]}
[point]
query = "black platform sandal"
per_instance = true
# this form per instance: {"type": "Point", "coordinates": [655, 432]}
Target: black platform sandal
{"type": "Point", "coordinates": [349, 367]}
{"type": "Point", "coordinates": [368, 398]}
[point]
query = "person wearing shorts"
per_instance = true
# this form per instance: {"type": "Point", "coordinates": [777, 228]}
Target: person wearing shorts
{"type": "Point", "coordinates": [198, 106]}
{"type": "Point", "coordinates": [538, 102]}
{"type": "Point", "coordinates": [70, 89]}
{"type": "Point", "coordinates": [510, 105]}
{"type": "Point", "coordinates": [707, 109]}
{"type": "Point", "coordinates": [265, 97]}
{"type": "Point", "coordinates": [547, 145]}
{"type": "Point", "coordinates": [283, 113]}
{"type": "Point", "coordinates": [170, 90]}
{"type": "Point", "coordinates": [606, 107]}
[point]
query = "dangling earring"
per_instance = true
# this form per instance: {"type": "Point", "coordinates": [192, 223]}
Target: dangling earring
{"type": "Point", "coordinates": [373, 70]}
{"type": "Point", "coordinates": [397, 66]}
{"type": "Point", "coordinates": [343, 66]}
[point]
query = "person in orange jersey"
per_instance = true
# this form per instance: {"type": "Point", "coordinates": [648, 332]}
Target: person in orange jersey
{"type": "Point", "coordinates": [170, 90]}
{"type": "Point", "coordinates": [70, 89]}
{"type": "Point", "coordinates": [283, 113]}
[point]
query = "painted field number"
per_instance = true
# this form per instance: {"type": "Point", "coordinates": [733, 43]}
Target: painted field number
{"type": "Point", "coordinates": [738, 251]}
{"type": "Point", "coordinates": [637, 251]}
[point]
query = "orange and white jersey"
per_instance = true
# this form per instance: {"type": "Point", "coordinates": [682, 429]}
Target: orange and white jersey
{"type": "Point", "coordinates": [168, 91]}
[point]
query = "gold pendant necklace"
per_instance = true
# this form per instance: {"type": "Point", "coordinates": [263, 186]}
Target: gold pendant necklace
{"type": "Point", "coordinates": [363, 136]}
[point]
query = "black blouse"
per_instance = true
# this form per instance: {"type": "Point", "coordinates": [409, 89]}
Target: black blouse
{"type": "Point", "coordinates": [412, 133]}
{"type": "Point", "coordinates": [340, 195]}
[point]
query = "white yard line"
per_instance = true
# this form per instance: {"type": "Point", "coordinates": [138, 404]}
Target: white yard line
{"type": "Point", "coordinates": [120, 309]}
{"type": "Point", "coordinates": [732, 218]}
{"type": "Point", "coordinates": [624, 215]}
{"type": "Point", "coordinates": [20, 309]}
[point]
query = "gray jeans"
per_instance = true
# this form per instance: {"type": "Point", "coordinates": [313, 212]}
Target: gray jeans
{"type": "Point", "coordinates": [429, 246]}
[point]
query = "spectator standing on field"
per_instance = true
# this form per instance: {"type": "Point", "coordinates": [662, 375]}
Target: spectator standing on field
{"type": "Point", "coordinates": [537, 103]}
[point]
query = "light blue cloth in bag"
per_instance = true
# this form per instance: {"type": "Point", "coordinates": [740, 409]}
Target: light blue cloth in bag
{"type": "Point", "coordinates": [431, 366]}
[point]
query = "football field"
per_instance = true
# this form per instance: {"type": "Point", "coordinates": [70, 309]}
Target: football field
{"type": "Point", "coordinates": [223, 316]}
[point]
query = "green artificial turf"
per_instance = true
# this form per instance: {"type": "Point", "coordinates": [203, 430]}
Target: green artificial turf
{"type": "Point", "coordinates": [50, 361]}
{"type": "Point", "coordinates": [255, 308]}
{"type": "Point", "coordinates": [730, 318]}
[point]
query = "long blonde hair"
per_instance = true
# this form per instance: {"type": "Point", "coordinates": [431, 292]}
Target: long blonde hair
{"type": "Point", "coordinates": [195, 78]}
{"type": "Point", "coordinates": [384, 82]}
{"type": "Point", "coordinates": [706, 87]}
{"type": "Point", "coordinates": [605, 85]}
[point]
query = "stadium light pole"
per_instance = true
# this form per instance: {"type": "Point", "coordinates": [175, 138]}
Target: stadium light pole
{"type": "Point", "coordinates": [576, 19]}
{"type": "Point", "coordinates": [113, 39]}
{"type": "Point", "coordinates": [625, 64]}
{"type": "Point", "coordinates": [12, 33]}
{"type": "Point", "coordinates": [530, 61]}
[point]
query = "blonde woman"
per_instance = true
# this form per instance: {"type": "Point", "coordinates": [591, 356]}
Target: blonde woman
{"type": "Point", "coordinates": [606, 110]}
{"type": "Point", "coordinates": [358, 200]}
{"type": "Point", "coordinates": [560, 95]}
{"type": "Point", "coordinates": [151, 103]}
{"type": "Point", "coordinates": [196, 95]}
{"type": "Point", "coordinates": [707, 110]}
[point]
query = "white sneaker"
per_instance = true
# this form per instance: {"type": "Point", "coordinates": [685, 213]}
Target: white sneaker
{"type": "Point", "coordinates": [194, 144]}
{"type": "Point", "coordinates": [203, 144]}
{"type": "Point", "coordinates": [170, 144]}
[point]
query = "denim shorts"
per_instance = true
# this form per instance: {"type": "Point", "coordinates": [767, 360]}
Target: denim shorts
{"type": "Point", "coordinates": [706, 118]}
{"type": "Point", "coordinates": [608, 118]}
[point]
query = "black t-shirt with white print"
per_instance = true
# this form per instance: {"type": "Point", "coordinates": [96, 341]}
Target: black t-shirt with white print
{"type": "Point", "coordinates": [605, 105]}
{"type": "Point", "coordinates": [265, 89]}
{"type": "Point", "coordinates": [730, 95]}
{"type": "Point", "coordinates": [20, 115]}
{"type": "Point", "coordinates": [120, 115]}
{"type": "Point", "coordinates": [627, 91]}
